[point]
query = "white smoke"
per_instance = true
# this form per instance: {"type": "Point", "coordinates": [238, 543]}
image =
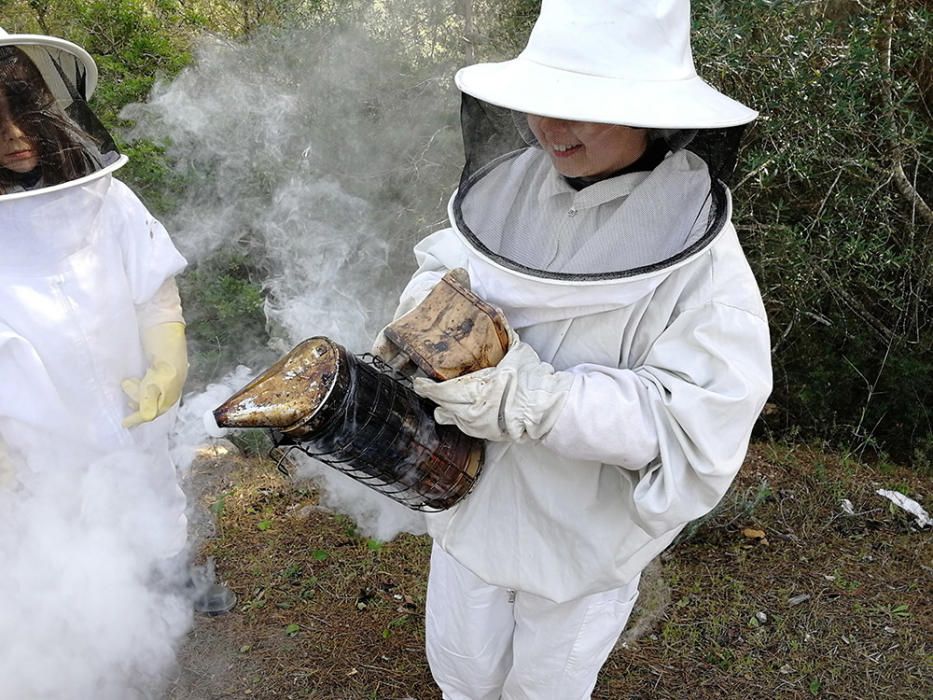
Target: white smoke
{"type": "Point", "coordinates": [375, 515]}
{"type": "Point", "coordinates": [194, 427]}
{"type": "Point", "coordinates": [320, 155]}
{"type": "Point", "coordinates": [92, 589]}
{"type": "Point", "coordinates": [307, 149]}
{"type": "Point", "coordinates": [95, 595]}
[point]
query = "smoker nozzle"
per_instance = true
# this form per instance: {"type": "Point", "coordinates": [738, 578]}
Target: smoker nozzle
{"type": "Point", "coordinates": [286, 395]}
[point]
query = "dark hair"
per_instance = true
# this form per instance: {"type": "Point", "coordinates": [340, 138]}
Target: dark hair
{"type": "Point", "coordinates": [66, 152]}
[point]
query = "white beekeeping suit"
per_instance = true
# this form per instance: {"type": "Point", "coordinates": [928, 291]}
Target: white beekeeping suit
{"type": "Point", "coordinates": [640, 357]}
{"type": "Point", "coordinates": [92, 361]}
{"type": "Point", "coordinates": [86, 270]}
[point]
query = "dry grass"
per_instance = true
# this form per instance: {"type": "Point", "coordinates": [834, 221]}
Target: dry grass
{"type": "Point", "coordinates": [826, 605]}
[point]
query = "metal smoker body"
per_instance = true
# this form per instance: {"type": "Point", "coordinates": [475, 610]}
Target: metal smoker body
{"type": "Point", "coordinates": [361, 420]}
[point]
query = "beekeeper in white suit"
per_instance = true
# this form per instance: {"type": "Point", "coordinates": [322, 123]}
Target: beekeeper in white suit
{"type": "Point", "coordinates": [593, 211]}
{"type": "Point", "coordinates": [92, 339]}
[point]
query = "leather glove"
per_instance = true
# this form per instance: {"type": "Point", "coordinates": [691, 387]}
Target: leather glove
{"type": "Point", "coordinates": [160, 388]}
{"type": "Point", "coordinates": [519, 398]}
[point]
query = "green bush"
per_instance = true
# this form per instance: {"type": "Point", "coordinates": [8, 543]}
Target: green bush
{"type": "Point", "coordinates": [223, 302]}
{"type": "Point", "coordinates": [839, 245]}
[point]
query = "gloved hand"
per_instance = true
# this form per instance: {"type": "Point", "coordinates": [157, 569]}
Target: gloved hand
{"type": "Point", "coordinates": [160, 388]}
{"type": "Point", "coordinates": [519, 398]}
{"type": "Point", "coordinates": [7, 473]}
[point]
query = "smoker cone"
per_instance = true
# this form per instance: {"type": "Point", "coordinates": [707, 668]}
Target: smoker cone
{"type": "Point", "coordinates": [288, 393]}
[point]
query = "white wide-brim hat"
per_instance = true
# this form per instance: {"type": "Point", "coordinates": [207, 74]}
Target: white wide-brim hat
{"type": "Point", "coordinates": [609, 61]}
{"type": "Point", "coordinates": [45, 52]}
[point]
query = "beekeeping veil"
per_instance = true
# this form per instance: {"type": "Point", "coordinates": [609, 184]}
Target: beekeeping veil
{"type": "Point", "coordinates": [45, 84]}
{"type": "Point", "coordinates": [625, 62]}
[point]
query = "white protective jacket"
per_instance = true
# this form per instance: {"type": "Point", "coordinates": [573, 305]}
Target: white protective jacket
{"type": "Point", "coordinates": [670, 369]}
{"type": "Point", "coordinates": [80, 263]}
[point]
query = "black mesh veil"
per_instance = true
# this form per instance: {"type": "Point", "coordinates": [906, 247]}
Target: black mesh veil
{"type": "Point", "coordinates": [43, 94]}
{"type": "Point", "coordinates": [506, 176]}
{"type": "Point", "coordinates": [75, 82]}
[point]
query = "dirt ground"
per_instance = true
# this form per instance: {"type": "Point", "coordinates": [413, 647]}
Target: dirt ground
{"type": "Point", "coordinates": [781, 593]}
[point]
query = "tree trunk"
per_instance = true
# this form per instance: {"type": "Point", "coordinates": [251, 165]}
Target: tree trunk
{"type": "Point", "coordinates": [469, 32]}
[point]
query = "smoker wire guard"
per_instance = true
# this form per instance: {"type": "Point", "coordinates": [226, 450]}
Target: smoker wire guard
{"type": "Point", "coordinates": [283, 445]}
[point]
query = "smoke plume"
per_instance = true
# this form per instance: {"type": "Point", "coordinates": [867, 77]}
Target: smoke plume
{"type": "Point", "coordinates": [93, 574]}
{"type": "Point", "coordinates": [326, 158]}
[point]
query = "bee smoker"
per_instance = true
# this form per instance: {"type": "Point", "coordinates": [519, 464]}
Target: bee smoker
{"type": "Point", "coordinates": [358, 415]}
{"type": "Point", "coordinates": [354, 415]}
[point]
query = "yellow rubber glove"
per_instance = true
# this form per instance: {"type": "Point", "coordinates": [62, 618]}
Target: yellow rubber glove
{"type": "Point", "coordinates": [160, 388]}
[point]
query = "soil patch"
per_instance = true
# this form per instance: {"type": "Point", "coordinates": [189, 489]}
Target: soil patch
{"type": "Point", "coordinates": [803, 583]}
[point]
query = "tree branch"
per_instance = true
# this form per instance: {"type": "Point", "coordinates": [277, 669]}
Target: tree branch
{"type": "Point", "coordinates": [906, 188]}
{"type": "Point", "coordinates": [868, 318]}
{"type": "Point", "coordinates": [904, 185]}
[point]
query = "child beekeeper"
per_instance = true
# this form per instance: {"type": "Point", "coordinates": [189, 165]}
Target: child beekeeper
{"type": "Point", "coordinates": [92, 339]}
{"type": "Point", "coordinates": [592, 210]}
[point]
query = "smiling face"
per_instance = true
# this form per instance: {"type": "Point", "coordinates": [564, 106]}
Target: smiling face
{"type": "Point", "coordinates": [588, 149]}
{"type": "Point", "coordinates": [18, 153]}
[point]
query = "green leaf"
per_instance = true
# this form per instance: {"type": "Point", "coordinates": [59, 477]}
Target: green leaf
{"type": "Point", "coordinates": [217, 507]}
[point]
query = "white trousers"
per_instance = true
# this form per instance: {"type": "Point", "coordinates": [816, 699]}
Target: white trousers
{"type": "Point", "coordinates": [485, 643]}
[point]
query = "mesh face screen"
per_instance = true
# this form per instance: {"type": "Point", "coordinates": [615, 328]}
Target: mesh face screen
{"type": "Point", "coordinates": [42, 102]}
{"type": "Point", "coordinates": [516, 207]}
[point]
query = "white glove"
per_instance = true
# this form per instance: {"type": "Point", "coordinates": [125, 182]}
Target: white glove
{"type": "Point", "coordinates": [519, 398]}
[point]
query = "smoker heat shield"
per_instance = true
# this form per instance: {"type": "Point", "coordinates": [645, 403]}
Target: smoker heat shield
{"type": "Point", "coordinates": [452, 331]}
